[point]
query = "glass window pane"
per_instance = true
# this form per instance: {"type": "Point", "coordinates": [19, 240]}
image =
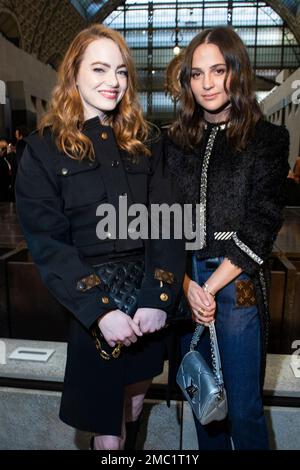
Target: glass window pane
{"type": "Point", "coordinates": [140, 57]}
{"type": "Point", "coordinates": [162, 103]}
{"type": "Point", "coordinates": [161, 57]}
{"type": "Point", "coordinates": [143, 100]}
{"type": "Point", "coordinates": [137, 38]}
{"type": "Point", "coordinates": [290, 56]}
{"type": "Point", "coordinates": [136, 18]}
{"type": "Point", "coordinates": [268, 56]}
{"type": "Point", "coordinates": [190, 17]}
{"type": "Point", "coordinates": [187, 36]}
{"type": "Point", "coordinates": [154, 81]}
{"type": "Point", "coordinates": [172, 1]}
{"type": "Point", "coordinates": [272, 36]}
{"type": "Point", "coordinates": [164, 37]}
{"type": "Point", "coordinates": [289, 38]}
{"type": "Point", "coordinates": [215, 16]}
{"type": "Point", "coordinates": [244, 16]}
{"type": "Point", "coordinates": [164, 18]}
{"type": "Point", "coordinates": [115, 20]}
{"type": "Point", "coordinates": [247, 35]}
{"type": "Point", "coordinates": [267, 16]}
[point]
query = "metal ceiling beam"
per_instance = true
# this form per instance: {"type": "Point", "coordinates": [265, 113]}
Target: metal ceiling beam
{"type": "Point", "coordinates": [292, 21]}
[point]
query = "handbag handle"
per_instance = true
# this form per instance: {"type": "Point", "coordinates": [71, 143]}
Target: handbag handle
{"type": "Point", "coordinates": [214, 349]}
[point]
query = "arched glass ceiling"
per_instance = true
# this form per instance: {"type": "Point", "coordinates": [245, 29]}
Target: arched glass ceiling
{"type": "Point", "coordinates": [271, 45]}
{"type": "Point", "coordinates": [88, 8]}
{"type": "Point", "coordinates": [152, 29]}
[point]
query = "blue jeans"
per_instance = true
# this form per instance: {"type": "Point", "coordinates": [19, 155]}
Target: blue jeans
{"type": "Point", "coordinates": [239, 338]}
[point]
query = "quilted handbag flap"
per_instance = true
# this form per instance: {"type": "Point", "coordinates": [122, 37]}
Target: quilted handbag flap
{"type": "Point", "coordinates": [199, 387]}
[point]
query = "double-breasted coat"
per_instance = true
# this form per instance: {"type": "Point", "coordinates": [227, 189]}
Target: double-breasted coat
{"type": "Point", "coordinates": [57, 201]}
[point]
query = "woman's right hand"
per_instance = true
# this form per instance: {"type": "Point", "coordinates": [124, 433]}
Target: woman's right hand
{"type": "Point", "coordinates": [202, 303]}
{"type": "Point", "coordinates": [117, 327]}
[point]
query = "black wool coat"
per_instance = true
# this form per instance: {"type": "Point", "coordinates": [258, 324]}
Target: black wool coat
{"type": "Point", "coordinates": [245, 193]}
{"type": "Point", "coordinates": [57, 198]}
{"type": "Point", "coordinates": [57, 201]}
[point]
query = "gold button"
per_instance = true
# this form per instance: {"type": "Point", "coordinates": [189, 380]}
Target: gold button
{"type": "Point", "coordinates": [164, 297]}
{"type": "Point", "coordinates": [105, 300]}
{"type": "Point", "coordinates": [104, 135]}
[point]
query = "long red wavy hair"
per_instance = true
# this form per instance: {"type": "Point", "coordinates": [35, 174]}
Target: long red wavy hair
{"type": "Point", "coordinates": [66, 116]}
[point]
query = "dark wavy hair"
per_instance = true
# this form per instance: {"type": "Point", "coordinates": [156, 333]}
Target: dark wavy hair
{"type": "Point", "coordinates": [187, 130]}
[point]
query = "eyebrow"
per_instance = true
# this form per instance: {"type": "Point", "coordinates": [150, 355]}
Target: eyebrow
{"type": "Point", "coordinates": [212, 67]}
{"type": "Point", "coordinates": [108, 65]}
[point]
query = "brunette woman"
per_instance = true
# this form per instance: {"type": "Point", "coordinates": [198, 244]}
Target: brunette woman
{"type": "Point", "coordinates": [233, 164]}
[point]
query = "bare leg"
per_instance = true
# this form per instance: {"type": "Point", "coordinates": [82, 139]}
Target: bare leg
{"type": "Point", "coordinates": [102, 442]}
{"type": "Point", "coordinates": [134, 400]}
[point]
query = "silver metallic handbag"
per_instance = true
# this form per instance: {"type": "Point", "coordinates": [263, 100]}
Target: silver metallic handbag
{"type": "Point", "coordinates": [203, 387]}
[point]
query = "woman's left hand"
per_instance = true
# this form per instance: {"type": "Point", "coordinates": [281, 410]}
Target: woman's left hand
{"type": "Point", "coordinates": [202, 303]}
{"type": "Point", "coordinates": [150, 319]}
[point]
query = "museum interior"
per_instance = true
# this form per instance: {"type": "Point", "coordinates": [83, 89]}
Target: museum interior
{"type": "Point", "coordinates": [34, 36]}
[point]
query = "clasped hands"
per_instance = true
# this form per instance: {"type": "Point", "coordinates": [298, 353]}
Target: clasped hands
{"type": "Point", "coordinates": [117, 327]}
{"type": "Point", "coordinates": [202, 303]}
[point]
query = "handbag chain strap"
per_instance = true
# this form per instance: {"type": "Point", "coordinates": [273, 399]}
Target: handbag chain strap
{"type": "Point", "coordinates": [214, 349]}
{"type": "Point", "coordinates": [104, 354]}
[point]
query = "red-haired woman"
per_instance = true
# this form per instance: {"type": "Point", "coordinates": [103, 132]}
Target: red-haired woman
{"type": "Point", "coordinates": [233, 164]}
{"type": "Point", "coordinates": [91, 150]}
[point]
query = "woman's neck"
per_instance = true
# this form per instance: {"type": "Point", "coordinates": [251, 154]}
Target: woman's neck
{"type": "Point", "coordinates": [216, 118]}
{"type": "Point", "coordinates": [88, 114]}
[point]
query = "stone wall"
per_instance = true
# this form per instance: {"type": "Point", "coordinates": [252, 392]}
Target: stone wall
{"type": "Point", "coordinates": [28, 85]}
{"type": "Point", "coordinates": [46, 27]}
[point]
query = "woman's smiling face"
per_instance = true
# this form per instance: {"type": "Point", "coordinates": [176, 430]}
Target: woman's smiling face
{"type": "Point", "coordinates": [102, 78]}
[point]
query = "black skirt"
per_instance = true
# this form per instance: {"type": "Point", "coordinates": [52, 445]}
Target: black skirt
{"type": "Point", "coordinates": [93, 394]}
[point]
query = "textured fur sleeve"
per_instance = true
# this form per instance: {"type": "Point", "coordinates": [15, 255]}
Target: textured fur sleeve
{"type": "Point", "coordinates": [252, 244]}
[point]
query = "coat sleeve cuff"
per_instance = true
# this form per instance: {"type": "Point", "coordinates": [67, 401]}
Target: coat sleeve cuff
{"type": "Point", "coordinates": [96, 309]}
{"type": "Point", "coordinates": [157, 297]}
{"type": "Point", "coordinates": [239, 258]}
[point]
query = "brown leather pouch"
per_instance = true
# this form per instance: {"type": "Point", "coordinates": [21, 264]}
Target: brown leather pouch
{"type": "Point", "coordinates": [245, 294]}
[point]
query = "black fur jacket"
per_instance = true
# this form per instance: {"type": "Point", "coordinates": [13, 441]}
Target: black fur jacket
{"type": "Point", "coordinates": [244, 195]}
